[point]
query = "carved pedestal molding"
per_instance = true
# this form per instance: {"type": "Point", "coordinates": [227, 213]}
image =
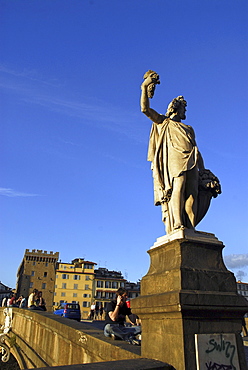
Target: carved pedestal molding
{"type": "Point", "coordinates": [187, 234]}
{"type": "Point", "coordinates": [187, 291]}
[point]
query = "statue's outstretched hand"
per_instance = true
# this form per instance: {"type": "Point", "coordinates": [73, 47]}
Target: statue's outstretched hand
{"type": "Point", "coordinates": [151, 79]}
{"type": "Point", "coordinates": [147, 81]}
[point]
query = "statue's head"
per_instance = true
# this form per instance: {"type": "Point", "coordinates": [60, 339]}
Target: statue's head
{"type": "Point", "coordinates": [177, 106]}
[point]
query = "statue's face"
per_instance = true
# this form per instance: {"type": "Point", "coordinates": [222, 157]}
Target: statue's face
{"type": "Point", "coordinates": [181, 111]}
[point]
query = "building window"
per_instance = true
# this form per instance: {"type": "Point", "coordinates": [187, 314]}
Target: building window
{"type": "Point", "coordinates": [55, 286]}
{"type": "Point", "coordinates": [34, 263]}
{"type": "Point", "coordinates": [45, 274]}
{"type": "Point", "coordinates": [76, 277]}
{"type": "Point", "coordinates": [88, 266]}
{"type": "Point", "coordinates": [43, 286]}
{"type": "Point", "coordinates": [85, 295]}
{"type": "Point", "coordinates": [65, 276]}
{"type": "Point", "coordinates": [114, 285]}
{"type": "Point", "coordinates": [46, 264]}
{"type": "Point", "coordinates": [31, 285]}
{"type": "Point", "coordinates": [122, 284]}
{"type": "Point", "coordinates": [54, 293]}
{"type": "Point", "coordinates": [63, 294]}
{"type": "Point", "coordinates": [86, 304]}
{"type": "Point", "coordinates": [107, 295]}
{"type": "Point", "coordinates": [63, 285]}
{"type": "Point", "coordinates": [75, 286]}
{"type": "Point", "coordinates": [87, 277]}
{"type": "Point", "coordinates": [64, 267]}
{"type": "Point", "coordinates": [87, 287]}
{"type": "Point", "coordinates": [32, 273]}
{"type": "Point", "coordinates": [99, 284]}
{"type": "Point", "coordinates": [74, 294]}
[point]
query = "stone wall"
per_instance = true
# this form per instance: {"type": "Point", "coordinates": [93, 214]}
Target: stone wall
{"type": "Point", "coordinates": [41, 339]}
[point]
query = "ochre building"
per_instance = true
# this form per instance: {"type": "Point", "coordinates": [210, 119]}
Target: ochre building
{"type": "Point", "coordinates": [74, 284]}
{"type": "Point", "coordinates": [37, 271]}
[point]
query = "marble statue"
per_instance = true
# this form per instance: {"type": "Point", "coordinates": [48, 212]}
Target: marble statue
{"type": "Point", "coordinates": [182, 185]}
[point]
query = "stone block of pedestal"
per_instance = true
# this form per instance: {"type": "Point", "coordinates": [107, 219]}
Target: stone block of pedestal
{"type": "Point", "coordinates": [187, 291]}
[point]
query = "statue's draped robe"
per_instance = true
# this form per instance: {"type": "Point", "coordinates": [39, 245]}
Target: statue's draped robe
{"type": "Point", "coordinates": [172, 151]}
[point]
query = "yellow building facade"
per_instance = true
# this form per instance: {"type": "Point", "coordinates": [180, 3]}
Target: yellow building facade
{"type": "Point", "coordinates": [74, 284]}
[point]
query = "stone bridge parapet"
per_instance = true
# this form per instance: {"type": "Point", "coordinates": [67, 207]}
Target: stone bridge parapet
{"type": "Point", "coordinates": [44, 340]}
{"type": "Point", "coordinates": [41, 339]}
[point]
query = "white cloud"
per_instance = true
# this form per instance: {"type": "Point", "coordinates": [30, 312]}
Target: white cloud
{"type": "Point", "coordinates": [236, 260]}
{"type": "Point", "coordinates": [29, 74]}
{"type": "Point", "coordinates": [13, 193]}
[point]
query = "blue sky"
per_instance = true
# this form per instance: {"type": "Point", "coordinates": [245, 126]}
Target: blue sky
{"type": "Point", "coordinates": [74, 175]}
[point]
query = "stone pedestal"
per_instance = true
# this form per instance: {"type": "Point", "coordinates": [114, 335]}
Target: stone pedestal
{"type": "Point", "coordinates": [187, 291]}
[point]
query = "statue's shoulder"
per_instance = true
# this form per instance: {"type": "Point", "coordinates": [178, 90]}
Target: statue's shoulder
{"type": "Point", "coordinates": [166, 120]}
{"type": "Point", "coordinates": [185, 126]}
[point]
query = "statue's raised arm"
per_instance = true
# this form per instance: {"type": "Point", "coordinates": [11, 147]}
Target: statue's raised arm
{"type": "Point", "coordinates": [182, 186]}
{"type": "Point", "coordinates": [151, 79]}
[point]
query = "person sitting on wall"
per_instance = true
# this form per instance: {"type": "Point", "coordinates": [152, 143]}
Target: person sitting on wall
{"type": "Point", "coordinates": [116, 313]}
{"type": "Point", "coordinates": [21, 301]}
{"type": "Point", "coordinates": [31, 299]}
{"type": "Point", "coordinates": [133, 320]}
{"type": "Point", "coordinates": [12, 301]}
{"type": "Point", "coordinates": [4, 301]}
{"type": "Point", "coordinates": [40, 302]}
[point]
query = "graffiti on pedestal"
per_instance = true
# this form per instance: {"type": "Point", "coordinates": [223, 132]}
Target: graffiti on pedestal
{"type": "Point", "coordinates": [216, 352]}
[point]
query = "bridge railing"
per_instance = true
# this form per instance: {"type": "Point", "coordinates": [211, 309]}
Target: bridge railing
{"type": "Point", "coordinates": [41, 339]}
